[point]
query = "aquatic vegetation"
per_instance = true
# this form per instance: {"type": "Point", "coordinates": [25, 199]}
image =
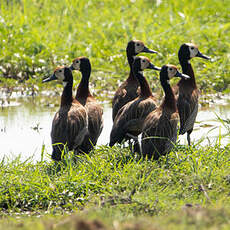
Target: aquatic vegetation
{"type": "Point", "coordinates": [39, 35]}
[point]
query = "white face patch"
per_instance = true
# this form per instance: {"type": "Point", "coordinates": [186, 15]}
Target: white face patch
{"type": "Point", "coordinates": [171, 71]}
{"type": "Point", "coordinates": [144, 63]}
{"type": "Point", "coordinates": [76, 64]}
{"type": "Point", "coordinates": [193, 51]}
{"type": "Point", "coordinates": [139, 46]}
{"type": "Point", "coordinates": [60, 74]}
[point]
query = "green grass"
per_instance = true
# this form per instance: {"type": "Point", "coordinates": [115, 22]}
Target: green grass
{"type": "Point", "coordinates": [37, 35]}
{"type": "Point", "coordinates": [188, 189]}
{"type": "Point", "coordinates": [112, 184]}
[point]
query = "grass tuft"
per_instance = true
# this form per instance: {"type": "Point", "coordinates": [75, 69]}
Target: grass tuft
{"type": "Point", "coordinates": [112, 176]}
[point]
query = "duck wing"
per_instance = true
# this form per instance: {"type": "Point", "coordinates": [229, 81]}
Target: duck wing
{"type": "Point", "coordinates": [188, 109]}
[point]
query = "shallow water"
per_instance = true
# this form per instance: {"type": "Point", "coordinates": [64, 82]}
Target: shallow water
{"type": "Point", "coordinates": [25, 126]}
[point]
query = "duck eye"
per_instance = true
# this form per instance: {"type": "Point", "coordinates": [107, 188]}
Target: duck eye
{"type": "Point", "coordinates": [192, 48]}
{"type": "Point", "coordinates": [138, 44]}
{"type": "Point", "coordinates": [170, 69]}
{"type": "Point", "coordinates": [59, 71]}
{"type": "Point", "coordinates": [143, 60]}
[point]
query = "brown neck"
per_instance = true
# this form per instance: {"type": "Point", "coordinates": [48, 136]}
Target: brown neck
{"type": "Point", "coordinates": [169, 99]}
{"type": "Point", "coordinates": [130, 57]}
{"type": "Point", "coordinates": [131, 76]}
{"type": "Point", "coordinates": [67, 96]}
{"type": "Point", "coordinates": [145, 89]}
{"type": "Point", "coordinates": [187, 69]}
{"type": "Point", "coordinates": [83, 88]}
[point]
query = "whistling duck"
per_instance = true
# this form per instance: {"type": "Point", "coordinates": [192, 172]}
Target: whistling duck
{"type": "Point", "coordinates": [159, 131]}
{"type": "Point", "coordinates": [70, 123]}
{"type": "Point", "coordinates": [129, 90]}
{"type": "Point", "coordinates": [94, 110]}
{"type": "Point", "coordinates": [187, 101]}
{"type": "Point", "coordinates": [129, 119]}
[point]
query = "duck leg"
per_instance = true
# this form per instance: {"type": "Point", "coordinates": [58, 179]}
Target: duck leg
{"type": "Point", "coordinates": [188, 137]}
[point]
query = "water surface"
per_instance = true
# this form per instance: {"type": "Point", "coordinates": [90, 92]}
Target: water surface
{"type": "Point", "coordinates": [25, 126]}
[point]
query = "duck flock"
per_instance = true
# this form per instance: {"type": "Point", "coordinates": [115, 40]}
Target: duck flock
{"type": "Point", "coordinates": [78, 123]}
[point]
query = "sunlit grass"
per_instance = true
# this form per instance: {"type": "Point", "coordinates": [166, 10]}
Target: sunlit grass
{"type": "Point", "coordinates": [38, 35]}
{"type": "Point", "coordinates": [113, 184]}
{"type": "Point", "coordinates": [114, 175]}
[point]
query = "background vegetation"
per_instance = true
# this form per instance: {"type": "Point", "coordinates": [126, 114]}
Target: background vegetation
{"type": "Point", "coordinates": [38, 35]}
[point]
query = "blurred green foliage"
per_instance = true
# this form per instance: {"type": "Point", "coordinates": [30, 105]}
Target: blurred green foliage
{"type": "Point", "coordinates": [38, 35]}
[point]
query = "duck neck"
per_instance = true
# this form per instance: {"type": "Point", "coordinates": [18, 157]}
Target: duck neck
{"type": "Point", "coordinates": [130, 57]}
{"type": "Point", "coordinates": [67, 95]}
{"type": "Point", "coordinates": [83, 88]}
{"type": "Point", "coordinates": [187, 69]}
{"type": "Point", "coordinates": [169, 99]}
{"type": "Point", "coordinates": [145, 89]}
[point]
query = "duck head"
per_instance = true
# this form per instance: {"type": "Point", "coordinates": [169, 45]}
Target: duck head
{"type": "Point", "coordinates": [81, 64]}
{"type": "Point", "coordinates": [61, 73]}
{"type": "Point", "coordinates": [135, 47]}
{"type": "Point", "coordinates": [188, 51]}
{"type": "Point", "coordinates": [170, 71]}
{"type": "Point", "coordinates": [140, 63]}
